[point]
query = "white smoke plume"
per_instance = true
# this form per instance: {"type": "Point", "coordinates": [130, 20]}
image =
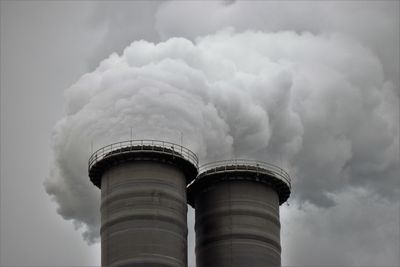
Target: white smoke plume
{"type": "Point", "coordinates": [318, 105]}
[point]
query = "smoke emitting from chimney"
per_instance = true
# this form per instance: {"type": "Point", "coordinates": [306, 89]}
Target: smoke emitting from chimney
{"type": "Point", "coordinates": [312, 104]}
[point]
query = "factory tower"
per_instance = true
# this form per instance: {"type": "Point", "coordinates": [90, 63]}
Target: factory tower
{"type": "Point", "coordinates": [143, 202]}
{"type": "Point", "coordinates": [145, 187]}
{"type": "Point", "coordinates": [237, 213]}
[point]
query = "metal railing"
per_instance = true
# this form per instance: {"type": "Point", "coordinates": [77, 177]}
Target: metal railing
{"type": "Point", "coordinates": [243, 164]}
{"type": "Point", "coordinates": [143, 145]}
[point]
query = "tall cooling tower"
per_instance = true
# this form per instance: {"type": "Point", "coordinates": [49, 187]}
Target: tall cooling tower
{"type": "Point", "coordinates": [237, 213]}
{"type": "Point", "coordinates": [143, 202]}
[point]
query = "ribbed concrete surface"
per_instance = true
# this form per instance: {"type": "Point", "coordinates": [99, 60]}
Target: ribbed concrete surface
{"type": "Point", "coordinates": [143, 215]}
{"type": "Point", "coordinates": [237, 225]}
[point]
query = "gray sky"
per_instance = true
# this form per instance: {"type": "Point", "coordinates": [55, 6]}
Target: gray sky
{"type": "Point", "coordinates": [345, 205]}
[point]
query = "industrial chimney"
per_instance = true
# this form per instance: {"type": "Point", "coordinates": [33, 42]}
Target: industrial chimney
{"type": "Point", "coordinates": [237, 213]}
{"type": "Point", "coordinates": [143, 202]}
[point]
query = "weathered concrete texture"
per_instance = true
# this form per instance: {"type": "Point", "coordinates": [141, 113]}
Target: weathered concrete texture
{"type": "Point", "coordinates": [237, 225]}
{"type": "Point", "coordinates": [143, 215]}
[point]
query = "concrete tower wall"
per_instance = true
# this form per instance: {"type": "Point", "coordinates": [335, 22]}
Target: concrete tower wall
{"type": "Point", "coordinates": [237, 224]}
{"type": "Point", "coordinates": [143, 202]}
{"type": "Point", "coordinates": [143, 215]}
{"type": "Point", "coordinates": [237, 213]}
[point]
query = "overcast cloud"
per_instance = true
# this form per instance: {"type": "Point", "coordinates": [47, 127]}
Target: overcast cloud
{"type": "Point", "coordinates": [311, 86]}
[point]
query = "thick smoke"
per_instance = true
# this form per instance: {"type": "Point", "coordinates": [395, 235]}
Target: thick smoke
{"type": "Point", "coordinates": [318, 105]}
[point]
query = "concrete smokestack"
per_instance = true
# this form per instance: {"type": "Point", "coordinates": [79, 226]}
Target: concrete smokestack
{"type": "Point", "coordinates": [143, 202]}
{"type": "Point", "coordinates": [237, 213]}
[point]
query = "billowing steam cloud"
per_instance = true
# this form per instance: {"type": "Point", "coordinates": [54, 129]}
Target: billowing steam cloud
{"type": "Point", "coordinates": [318, 105]}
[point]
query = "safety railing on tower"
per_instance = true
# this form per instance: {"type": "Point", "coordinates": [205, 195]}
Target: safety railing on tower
{"type": "Point", "coordinates": [247, 165]}
{"type": "Point", "coordinates": [143, 146]}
